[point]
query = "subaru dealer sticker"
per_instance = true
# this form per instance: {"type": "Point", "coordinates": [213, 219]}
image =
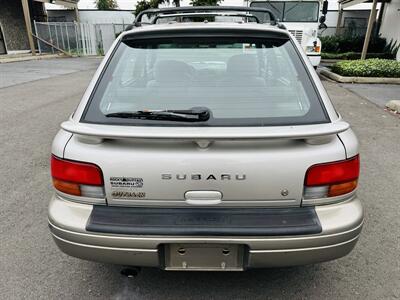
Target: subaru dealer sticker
{"type": "Point", "coordinates": [126, 188]}
{"type": "Point", "coordinates": [126, 182]}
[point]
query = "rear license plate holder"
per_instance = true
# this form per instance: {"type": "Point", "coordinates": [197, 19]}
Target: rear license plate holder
{"type": "Point", "coordinates": [204, 257]}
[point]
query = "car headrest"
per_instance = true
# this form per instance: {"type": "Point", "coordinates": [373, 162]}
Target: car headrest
{"type": "Point", "coordinates": [171, 70]}
{"type": "Point", "coordinates": [242, 65]}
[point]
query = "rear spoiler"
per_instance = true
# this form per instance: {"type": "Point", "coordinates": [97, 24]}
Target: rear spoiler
{"type": "Point", "coordinates": [205, 133]}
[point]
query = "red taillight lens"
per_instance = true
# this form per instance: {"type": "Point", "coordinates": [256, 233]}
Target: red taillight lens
{"type": "Point", "coordinates": [76, 172]}
{"type": "Point", "coordinates": [335, 172]}
{"type": "Point", "coordinates": [77, 178]}
{"type": "Point", "coordinates": [332, 179]}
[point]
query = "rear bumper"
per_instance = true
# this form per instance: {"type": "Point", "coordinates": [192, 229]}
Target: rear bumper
{"type": "Point", "coordinates": [341, 226]}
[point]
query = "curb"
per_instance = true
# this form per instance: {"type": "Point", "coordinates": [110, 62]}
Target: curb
{"type": "Point", "coordinates": [329, 62]}
{"type": "Point", "coordinates": [27, 58]}
{"type": "Point", "coordinates": [348, 79]}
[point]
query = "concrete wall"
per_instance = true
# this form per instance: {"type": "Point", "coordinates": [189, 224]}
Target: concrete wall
{"type": "Point", "coordinates": [106, 16]}
{"type": "Point", "coordinates": [13, 25]}
{"type": "Point", "coordinates": [390, 27]}
{"type": "Point", "coordinates": [92, 16]}
{"type": "Point", "coordinates": [61, 15]}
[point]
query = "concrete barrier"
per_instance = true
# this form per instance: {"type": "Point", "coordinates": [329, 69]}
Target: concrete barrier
{"type": "Point", "coordinates": [350, 79]}
{"type": "Point", "coordinates": [394, 105]}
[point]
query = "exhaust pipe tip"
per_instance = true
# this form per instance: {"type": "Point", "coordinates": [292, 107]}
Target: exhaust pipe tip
{"type": "Point", "coordinates": [130, 272]}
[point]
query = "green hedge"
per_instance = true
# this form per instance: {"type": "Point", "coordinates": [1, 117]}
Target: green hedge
{"type": "Point", "coordinates": [349, 44]}
{"type": "Point", "coordinates": [342, 44]}
{"type": "Point", "coordinates": [354, 55]}
{"type": "Point", "coordinates": [368, 68]}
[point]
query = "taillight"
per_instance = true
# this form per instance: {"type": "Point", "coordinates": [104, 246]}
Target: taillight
{"type": "Point", "coordinates": [332, 179]}
{"type": "Point", "coordinates": [77, 178]}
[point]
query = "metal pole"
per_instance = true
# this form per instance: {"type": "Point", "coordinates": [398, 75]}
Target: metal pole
{"type": "Point", "coordinates": [92, 38]}
{"type": "Point", "coordinates": [76, 38]}
{"type": "Point", "coordinates": [76, 13]}
{"type": "Point", "coordinates": [339, 20]}
{"type": "Point", "coordinates": [37, 33]}
{"type": "Point", "coordinates": [371, 21]}
{"type": "Point", "coordinates": [55, 27]}
{"type": "Point", "coordinates": [66, 30]}
{"type": "Point", "coordinates": [83, 38]}
{"type": "Point", "coordinates": [87, 39]}
{"type": "Point", "coordinates": [51, 45]}
{"type": "Point", "coordinates": [27, 17]}
{"type": "Point", "coordinates": [51, 39]}
{"type": "Point", "coordinates": [62, 36]}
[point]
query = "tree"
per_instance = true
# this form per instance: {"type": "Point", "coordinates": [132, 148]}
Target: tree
{"type": "Point", "coordinates": [106, 4]}
{"type": "Point", "coordinates": [142, 5]}
{"type": "Point", "coordinates": [205, 2]}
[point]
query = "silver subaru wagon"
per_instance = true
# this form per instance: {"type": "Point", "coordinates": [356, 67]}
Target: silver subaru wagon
{"type": "Point", "coordinates": [205, 146]}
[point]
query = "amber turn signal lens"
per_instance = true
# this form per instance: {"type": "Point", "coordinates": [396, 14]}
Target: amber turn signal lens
{"type": "Point", "coordinates": [342, 188]}
{"type": "Point", "coordinates": [67, 187]}
{"type": "Point", "coordinates": [317, 49]}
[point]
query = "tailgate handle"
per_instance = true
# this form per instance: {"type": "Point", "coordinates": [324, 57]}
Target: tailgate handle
{"type": "Point", "coordinates": [203, 197]}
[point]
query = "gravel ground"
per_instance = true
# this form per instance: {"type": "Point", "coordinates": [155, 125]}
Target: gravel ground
{"type": "Point", "coordinates": [32, 267]}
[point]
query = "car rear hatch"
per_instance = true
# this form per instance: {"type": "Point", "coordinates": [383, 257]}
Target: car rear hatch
{"type": "Point", "coordinates": [265, 125]}
{"type": "Point", "coordinates": [266, 170]}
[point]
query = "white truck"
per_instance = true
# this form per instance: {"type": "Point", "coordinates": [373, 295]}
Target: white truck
{"type": "Point", "coordinates": [302, 19]}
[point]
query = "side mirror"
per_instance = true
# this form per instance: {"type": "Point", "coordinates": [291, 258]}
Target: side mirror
{"type": "Point", "coordinates": [325, 7]}
{"type": "Point", "coordinates": [322, 19]}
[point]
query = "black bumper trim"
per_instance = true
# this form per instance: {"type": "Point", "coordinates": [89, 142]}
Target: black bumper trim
{"type": "Point", "coordinates": [204, 221]}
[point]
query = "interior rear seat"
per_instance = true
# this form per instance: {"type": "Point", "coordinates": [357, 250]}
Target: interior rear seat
{"type": "Point", "coordinates": [171, 73]}
{"type": "Point", "coordinates": [242, 70]}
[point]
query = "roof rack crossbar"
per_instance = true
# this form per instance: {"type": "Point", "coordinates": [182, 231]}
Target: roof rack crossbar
{"type": "Point", "coordinates": [189, 9]}
{"type": "Point", "coordinates": [204, 14]}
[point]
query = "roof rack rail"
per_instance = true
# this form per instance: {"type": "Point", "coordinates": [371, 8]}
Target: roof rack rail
{"type": "Point", "coordinates": [192, 9]}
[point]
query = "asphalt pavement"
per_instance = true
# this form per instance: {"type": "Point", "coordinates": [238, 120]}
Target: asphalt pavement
{"type": "Point", "coordinates": [27, 71]}
{"type": "Point", "coordinates": [31, 266]}
{"type": "Point", "coordinates": [380, 94]}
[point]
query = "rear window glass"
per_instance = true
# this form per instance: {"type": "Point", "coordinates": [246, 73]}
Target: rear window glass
{"type": "Point", "coordinates": [240, 81]}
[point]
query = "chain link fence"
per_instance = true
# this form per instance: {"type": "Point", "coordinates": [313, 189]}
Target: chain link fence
{"type": "Point", "coordinates": [80, 39]}
{"type": "Point", "coordinates": [105, 35]}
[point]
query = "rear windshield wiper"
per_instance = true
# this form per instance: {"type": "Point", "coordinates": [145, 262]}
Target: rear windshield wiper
{"type": "Point", "coordinates": [189, 115]}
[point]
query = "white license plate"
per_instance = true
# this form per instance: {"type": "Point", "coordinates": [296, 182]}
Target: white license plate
{"type": "Point", "coordinates": [204, 257]}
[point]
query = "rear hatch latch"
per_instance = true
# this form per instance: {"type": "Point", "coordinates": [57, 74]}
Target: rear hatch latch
{"type": "Point", "coordinates": [203, 197]}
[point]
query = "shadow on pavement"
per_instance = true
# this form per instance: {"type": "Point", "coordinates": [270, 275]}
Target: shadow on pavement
{"type": "Point", "coordinates": [152, 283]}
